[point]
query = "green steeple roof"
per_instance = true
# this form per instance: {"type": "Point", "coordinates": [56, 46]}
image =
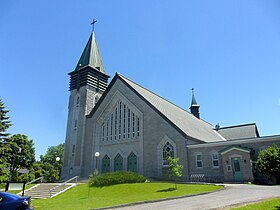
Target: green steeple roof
{"type": "Point", "coordinates": [90, 56]}
{"type": "Point", "coordinates": [194, 103]}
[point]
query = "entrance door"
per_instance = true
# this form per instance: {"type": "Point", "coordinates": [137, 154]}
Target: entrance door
{"type": "Point", "coordinates": [132, 162]}
{"type": "Point", "coordinates": [118, 166]}
{"type": "Point", "coordinates": [237, 169]}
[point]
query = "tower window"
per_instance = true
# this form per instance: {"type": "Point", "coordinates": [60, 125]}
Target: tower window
{"type": "Point", "coordinates": [73, 149]}
{"type": "Point", "coordinates": [78, 101]}
{"type": "Point", "coordinates": [96, 99]}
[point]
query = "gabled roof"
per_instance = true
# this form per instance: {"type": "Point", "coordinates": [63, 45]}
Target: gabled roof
{"type": "Point", "coordinates": [239, 131]}
{"type": "Point", "coordinates": [178, 117]}
{"type": "Point", "coordinates": [90, 56]}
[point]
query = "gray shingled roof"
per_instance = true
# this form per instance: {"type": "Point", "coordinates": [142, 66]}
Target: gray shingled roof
{"type": "Point", "coordinates": [185, 121]}
{"type": "Point", "coordinates": [239, 131]}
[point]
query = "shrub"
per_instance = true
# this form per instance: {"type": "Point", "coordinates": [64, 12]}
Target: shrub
{"type": "Point", "coordinates": [119, 177]}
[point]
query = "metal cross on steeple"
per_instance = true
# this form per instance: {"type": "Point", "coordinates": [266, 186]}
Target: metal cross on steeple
{"type": "Point", "coordinates": [92, 23]}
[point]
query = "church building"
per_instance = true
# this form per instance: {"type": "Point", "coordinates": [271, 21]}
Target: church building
{"type": "Point", "coordinates": [122, 126]}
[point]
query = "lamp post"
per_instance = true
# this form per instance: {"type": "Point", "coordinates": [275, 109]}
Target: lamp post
{"type": "Point", "coordinates": [97, 154]}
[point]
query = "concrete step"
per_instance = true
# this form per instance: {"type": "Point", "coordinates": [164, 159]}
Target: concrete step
{"type": "Point", "coordinates": [43, 190]}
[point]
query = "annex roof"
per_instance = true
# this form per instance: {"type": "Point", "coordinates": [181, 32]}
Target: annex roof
{"type": "Point", "coordinates": [182, 119]}
{"type": "Point", "coordinates": [239, 131]}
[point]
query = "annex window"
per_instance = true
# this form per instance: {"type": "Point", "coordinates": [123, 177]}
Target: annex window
{"type": "Point", "coordinates": [199, 160]}
{"type": "Point", "coordinates": [215, 160]}
{"type": "Point", "coordinates": [167, 151]}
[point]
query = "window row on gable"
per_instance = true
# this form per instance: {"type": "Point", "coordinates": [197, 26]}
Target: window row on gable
{"type": "Point", "coordinates": [122, 124]}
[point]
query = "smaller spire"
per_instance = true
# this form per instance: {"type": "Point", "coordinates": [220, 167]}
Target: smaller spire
{"type": "Point", "coordinates": [194, 108]}
{"type": "Point", "coordinates": [193, 98]}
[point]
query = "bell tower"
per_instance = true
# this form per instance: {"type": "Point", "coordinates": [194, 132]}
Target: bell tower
{"type": "Point", "coordinates": [87, 83]}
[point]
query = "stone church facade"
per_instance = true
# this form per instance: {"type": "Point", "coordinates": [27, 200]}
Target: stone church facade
{"type": "Point", "coordinates": [124, 126]}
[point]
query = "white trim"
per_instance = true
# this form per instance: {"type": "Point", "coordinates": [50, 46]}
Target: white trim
{"type": "Point", "coordinates": [236, 142]}
{"type": "Point", "coordinates": [234, 148]}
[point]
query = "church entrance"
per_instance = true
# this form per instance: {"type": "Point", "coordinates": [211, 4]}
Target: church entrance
{"type": "Point", "coordinates": [105, 164]}
{"type": "Point", "coordinates": [237, 169]}
{"type": "Point", "coordinates": [118, 163]}
{"type": "Point", "coordinates": [132, 162]}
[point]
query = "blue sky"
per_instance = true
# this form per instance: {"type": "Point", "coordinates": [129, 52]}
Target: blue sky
{"type": "Point", "coordinates": [227, 50]}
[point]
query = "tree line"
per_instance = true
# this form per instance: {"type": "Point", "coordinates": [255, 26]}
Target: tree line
{"type": "Point", "coordinates": [17, 156]}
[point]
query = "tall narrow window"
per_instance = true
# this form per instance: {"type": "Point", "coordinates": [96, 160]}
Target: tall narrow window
{"type": "Point", "coordinates": [107, 130]}
{"type": "Point", "coordinates": [199, 160]}
{"type": "Point", "coordinates": [73, 149]}
{"type": "Point", "coordinates": [120, 120]}
{"type": "Point", "coordinates": [215, 160]}
{"type": "Point", "coordinates": [76, 123]}
{"type": "Point", "coordinates": [167, 151]}
{"type": "Point", "coordinates": [124, 116]}
{"type": "Point", "coordinates": [78, 101]}
{"type": "Point", "coordinates": [111, 126]}
{"type": "Point", "coordinates": [116, 122]}
{"type": "Point", "coordinates": [133, 125]}
{"type": "Point", "coordinates": [103, 131]}
{"type": "Point", "coordinates": [138, 127]}
{"type": "Point", "coordinates": [128, 123]}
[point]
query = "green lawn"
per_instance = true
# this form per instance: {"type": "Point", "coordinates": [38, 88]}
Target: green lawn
{"type": "Point", "coordinates": [80, 198]}
{"type": "Point", "coordinates": [270, 204]}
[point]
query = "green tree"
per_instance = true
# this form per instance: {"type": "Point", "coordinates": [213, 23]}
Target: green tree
{"type": "Point", "coordinates": [52, 163]}
{"type": "Point", "coordinates": [20, 154]}
{"type": "Point", "coordinates": [4, 148]}
{"type": "Point", "coordinates": [269, 161]}
{"type": "Point", "coordinates": [4, 121]}
{"type": "Point", "coordinates": [174, 168]}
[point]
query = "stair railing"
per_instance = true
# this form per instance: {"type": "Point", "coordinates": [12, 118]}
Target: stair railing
{"type": "Point", "coordinates": [35, 180]}
{"type": "Point", "coordinates": [63, 184]}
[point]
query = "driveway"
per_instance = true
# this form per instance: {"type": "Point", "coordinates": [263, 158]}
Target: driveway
{"type": "Point", "coordinates": [231, 195]}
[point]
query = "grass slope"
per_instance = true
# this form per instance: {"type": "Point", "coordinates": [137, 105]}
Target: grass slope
{"type": "Point", "coordinates": [80, 198]}
{"type": "Point", "coordinates": [270, 204]}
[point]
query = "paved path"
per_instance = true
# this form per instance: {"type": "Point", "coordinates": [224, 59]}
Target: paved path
{"type": "Point", "coordinates": [231, 195]}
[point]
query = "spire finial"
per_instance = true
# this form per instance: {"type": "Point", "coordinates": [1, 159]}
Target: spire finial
{"type": "Point", "coordinates": [92, 23]}
{"type": "Point", "coordinates": [192, 91]}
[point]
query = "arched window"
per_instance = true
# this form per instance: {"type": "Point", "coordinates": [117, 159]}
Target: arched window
{"type": "Point", "coordinates": [78, 101]}
{"type": "Point", "coordinates": [132, 162]}
{"type": "Point", "coordinates": [118, 163]}
{"type": "Point", "coordinates": [167, 151]}
{"type": "Point", "coordinates": [105, 164]}
{"type": "Point", "coordinates": [96, 99]}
